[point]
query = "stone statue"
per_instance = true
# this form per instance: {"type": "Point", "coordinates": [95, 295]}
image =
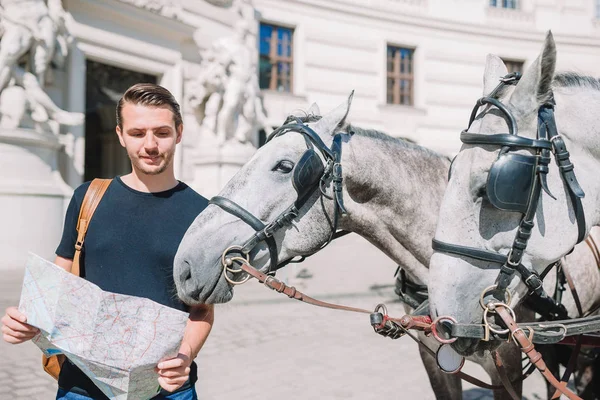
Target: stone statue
{"type": "Point", "coordinates": [226, 95]}
{"type": "Point", "coordinates": [34, 37]}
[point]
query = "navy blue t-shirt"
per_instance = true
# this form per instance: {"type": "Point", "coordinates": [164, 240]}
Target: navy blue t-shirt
{"type": "Point", "coordinates": [129, 249]}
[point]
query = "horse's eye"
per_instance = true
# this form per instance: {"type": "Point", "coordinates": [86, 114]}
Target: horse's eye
{"type": "Point", "coordinates": [284, 166]}
{"type": "Point", "coordinates": [481, 192]}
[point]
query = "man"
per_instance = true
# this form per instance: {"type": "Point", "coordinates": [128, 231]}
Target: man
{"type": "Point", "coordinates": [133, 237]}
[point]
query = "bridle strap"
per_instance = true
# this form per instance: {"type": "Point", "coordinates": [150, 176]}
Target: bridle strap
{"type": "Point", "coordinates": [512, 124]}
{"type": "Point", "coordinates": [504, 139]}
{"type": "Point", "coordinates": [336, 149]}
{"type": "Point", "coordinates": [256, 224]}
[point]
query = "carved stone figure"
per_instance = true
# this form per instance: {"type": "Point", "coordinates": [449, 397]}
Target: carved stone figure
{"type": "Point", "coordinates": [34, 37]}
{"type": "Point", "coordinates": [226, 95]}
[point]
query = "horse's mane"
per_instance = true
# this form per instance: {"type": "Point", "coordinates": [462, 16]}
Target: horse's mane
{"type": "Point", "coordinates": [368, 133]}
{"type": "Point", "coordinates": [399, 141]}
{"type": "Point", "coordinates": [573, 79]}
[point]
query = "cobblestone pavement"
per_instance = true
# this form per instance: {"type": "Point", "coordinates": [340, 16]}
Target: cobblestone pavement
{"type": "Point", "coordinates": [265, 346]}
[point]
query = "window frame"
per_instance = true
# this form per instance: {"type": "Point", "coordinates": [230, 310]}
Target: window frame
{"type": "Point", "coordinates": [397, 76]}
{"type": "Point", "coordinates": [505, 4]}
{"type": "Point", "coordinates": [275, 59]}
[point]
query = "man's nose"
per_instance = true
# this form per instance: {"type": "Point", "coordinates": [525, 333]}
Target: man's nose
{"type": "Point", "coordinates": [150, 141]}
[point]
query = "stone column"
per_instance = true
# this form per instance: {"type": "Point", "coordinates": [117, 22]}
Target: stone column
{"type": "Point", "coordinates": [32, 193]}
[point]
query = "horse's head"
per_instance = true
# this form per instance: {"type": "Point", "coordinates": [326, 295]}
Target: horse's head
{"type": "Point", "coordinates": [271, 211]}
{"type": "Point", "coordinates": [500, 180]}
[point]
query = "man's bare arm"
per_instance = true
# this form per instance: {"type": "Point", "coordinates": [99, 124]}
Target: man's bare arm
{"type": "Point", "coordinates": [64, 263]}
{"type": "Point", "coordinates": [175, 372]}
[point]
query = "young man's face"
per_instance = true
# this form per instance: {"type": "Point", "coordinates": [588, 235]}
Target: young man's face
{"type": "Point", "coordinates": [149, 136]}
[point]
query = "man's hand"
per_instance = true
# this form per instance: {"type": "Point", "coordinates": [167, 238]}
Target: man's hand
{"type": "Point", "coordinates": [173, 373]}
{"type": "Point", "coordinates": [14, 327]}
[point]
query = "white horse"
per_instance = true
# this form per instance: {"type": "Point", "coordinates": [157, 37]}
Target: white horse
{"type": "Point", "coordinates": [469, 214]}
{"type": "Point", "coordinates": [391, 190]}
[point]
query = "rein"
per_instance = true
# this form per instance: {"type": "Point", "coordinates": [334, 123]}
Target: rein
{"type": "Point", "coordinates": [382, 323]}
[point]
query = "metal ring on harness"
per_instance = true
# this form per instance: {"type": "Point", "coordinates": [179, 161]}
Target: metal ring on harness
{"type": "Point", "coordinates": [435, 333]}
{"type": "Point", "coordinates": [489, 289]}
{"type": "Point", "coordinates": [490, 308]}
{"type": "Point", "coordinates": [381, 306]}
{"type": "Point", "coordinates": [228, 261]}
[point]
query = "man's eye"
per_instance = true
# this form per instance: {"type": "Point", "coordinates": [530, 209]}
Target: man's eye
{"type": "Point", "coordinates": [284, 166]}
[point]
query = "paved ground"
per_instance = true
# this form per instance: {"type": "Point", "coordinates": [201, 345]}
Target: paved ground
{"type": "Point", "coordinates": [265, 346]}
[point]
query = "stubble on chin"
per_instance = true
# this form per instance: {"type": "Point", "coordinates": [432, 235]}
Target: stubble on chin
{"type": "Point", "coordinates": [151, 169]}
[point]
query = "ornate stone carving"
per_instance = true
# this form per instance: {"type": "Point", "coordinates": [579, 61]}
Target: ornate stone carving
{"type": "Point", "coordinates": [35, 37]}
{"type": "Point", "coordinates": [226, 96]}
{"type": "Point", "coordinates": [166, 8]}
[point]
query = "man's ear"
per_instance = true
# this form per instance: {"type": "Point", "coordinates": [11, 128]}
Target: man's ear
{"type": "Point", "coordinates": [120, 135]}
{"type": "Point", "coordinates": [179, 133]}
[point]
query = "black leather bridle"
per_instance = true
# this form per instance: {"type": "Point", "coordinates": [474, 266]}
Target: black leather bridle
{"type": "Point", "coordinates": [548, 140]}
{"type": "Point", "coordinates": [311, 174]}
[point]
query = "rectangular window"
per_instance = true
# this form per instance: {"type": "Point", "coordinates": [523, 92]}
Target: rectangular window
{"type": "Point", "coordinates": [275, 58]}
{"type": "Point", "coordinates": [597, 10]}
{"type": "Point", "coordinates": [400, 75]}
{"type": "Point", "coordinates": [514, 65]}
{"type": "Point", "coordinates": [504, 4]}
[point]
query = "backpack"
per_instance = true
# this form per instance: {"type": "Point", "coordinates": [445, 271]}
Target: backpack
{"type": "Point", "coordinates": [93, 195]}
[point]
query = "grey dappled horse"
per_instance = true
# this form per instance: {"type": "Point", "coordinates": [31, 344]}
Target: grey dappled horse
{"type": "Point", "coordinates": [391, 190]}
{"type": "Point", "coordinates": [471, 213]}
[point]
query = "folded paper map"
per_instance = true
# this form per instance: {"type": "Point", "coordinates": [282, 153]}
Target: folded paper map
{"type": "Point", "coordinates": [116, 340]}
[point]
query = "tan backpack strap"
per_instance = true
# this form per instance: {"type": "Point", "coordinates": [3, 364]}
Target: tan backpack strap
{"type": "Point", "coordinates": [88, 206]}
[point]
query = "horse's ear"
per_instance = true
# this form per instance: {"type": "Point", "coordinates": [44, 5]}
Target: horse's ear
{"type": "Point", "coordinates": [535, 87]}
{"type": "Point", "coordinates": [494, 70]}
{"type": "Point", "coordinates": [332, 121]}
{"type": "Point", "coordinates": [313, 110]}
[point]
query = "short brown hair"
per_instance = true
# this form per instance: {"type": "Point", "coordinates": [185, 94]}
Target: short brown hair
{"type": "Point", "coordinates": [152, 95]}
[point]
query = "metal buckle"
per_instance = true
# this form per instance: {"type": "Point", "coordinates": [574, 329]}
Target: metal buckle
{"type": "Point", "coordinates": [539, 281]}
{"type": "Point", "coordinates": [508, 260]}
{"type": "Point", "coordinates": [555, 137]}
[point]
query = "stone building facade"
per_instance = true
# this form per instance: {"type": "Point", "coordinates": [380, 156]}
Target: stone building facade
{"type": "Point", "coordinates": [416, 67]}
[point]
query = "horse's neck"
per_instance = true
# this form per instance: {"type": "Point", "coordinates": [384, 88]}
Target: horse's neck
{"type": "Point", "coordinates": [579, 123]}
{"type": "Point", "coordinates": [393, 191]}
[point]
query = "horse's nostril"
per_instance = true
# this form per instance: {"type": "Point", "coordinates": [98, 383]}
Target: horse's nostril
{"type": "Point", "coordinates": [186, 274]}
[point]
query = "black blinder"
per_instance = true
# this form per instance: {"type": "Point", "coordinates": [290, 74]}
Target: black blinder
{"type": "Point", "coordinates": [510, 182]}
{"type": "Point", "coordinates": [307, 173]}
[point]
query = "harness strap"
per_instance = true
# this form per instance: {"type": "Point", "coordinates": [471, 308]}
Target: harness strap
{"type": "Point", "coordinates": [571, 364]}
{"type": "Point", "coordinates": [566, 168]}
{"type": "Point", "coordinates": [594, 248]}
{"type": "Point", "coordinates": [544, 332]}
{"type": "Point", "coordinates": [504, 376]}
